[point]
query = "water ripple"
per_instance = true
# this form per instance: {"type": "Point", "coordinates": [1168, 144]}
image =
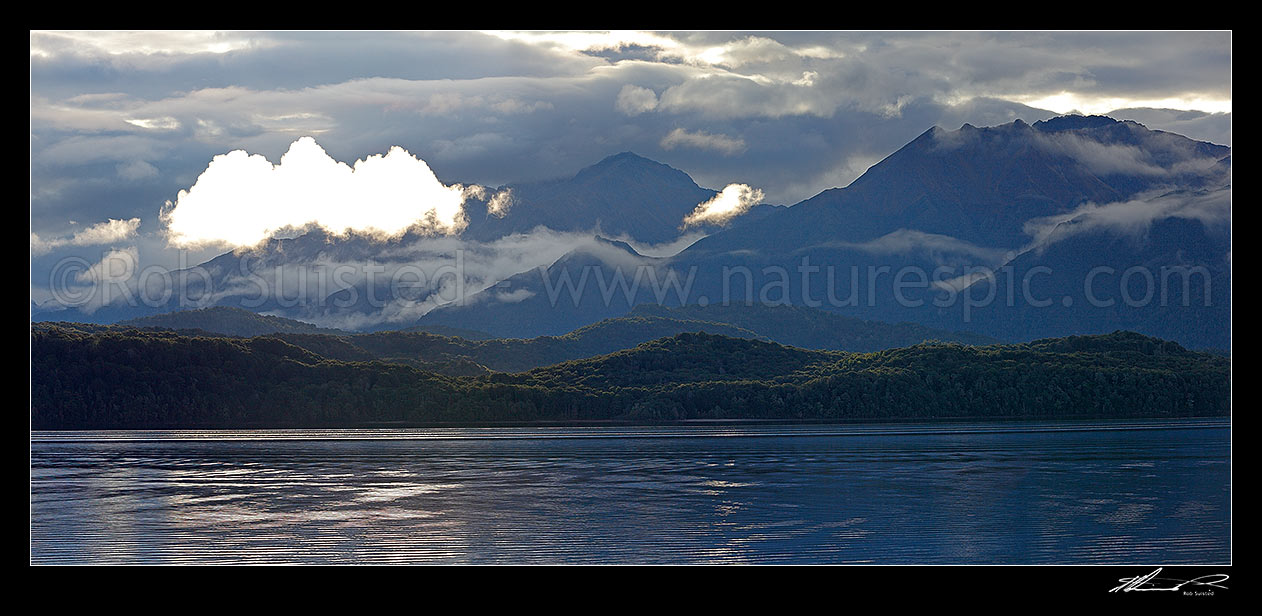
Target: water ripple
{"type": "Point", "coordinates": [1141, 493]}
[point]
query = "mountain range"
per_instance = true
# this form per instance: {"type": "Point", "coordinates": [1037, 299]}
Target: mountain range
{"type": "Point", "coordinates": [1073, 225]}
{"type": "Point", "coordinates": [997, 229]}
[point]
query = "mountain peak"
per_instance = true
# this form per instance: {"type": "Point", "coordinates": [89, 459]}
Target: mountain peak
{"type": "Point", "coordinates": [622, 195]}
{"type": "Point", "coordinates": [1074, 122]}
{"type": "Point", "coordinates": [627, 155]}
{"type": "Point", "coordinates": [625, 161]}
{"type": "Point", "coordinates": [619, 244]}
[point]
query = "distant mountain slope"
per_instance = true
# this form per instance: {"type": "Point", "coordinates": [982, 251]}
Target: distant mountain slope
{"type": "Point", "coordinates": [1171, 278]}
{"type": "Point", "coordinates": [450, 332]}
{"type": "Point", "coordinates": [228, 321]}
{"type": "Point", "coordinates": [1042, 206]}
{"type": "Point", "coordinates": [462, 355]}
{"type": "Point", "coordinates": [981, 185]}
{"type": "Point", "coordinates": [683, 358]}
{"type": "Point", "coordinates": [504, 354]}
{"type": "Point", "coordinates": [586, 285]}
{"type": "Point", "coordinates": [941, 208]}
{"type": "Point", "coordinates": [452, 355]}
{"type": "Point", "coordinates": [125, 379]}
{"type": "Point", "coordinates": [810, 328]}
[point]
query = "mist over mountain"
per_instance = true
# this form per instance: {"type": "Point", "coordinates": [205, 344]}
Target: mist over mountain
{"type": "Point", "coordinates": [1019, 215]}
{"type": "Point", "coordinates": [1172, 277]}
{"type": "Point", "coordinates": [598, 281]}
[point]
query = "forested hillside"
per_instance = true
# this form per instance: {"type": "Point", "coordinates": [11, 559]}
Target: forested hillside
{"type": "Point", "coordinates": [154, 379]}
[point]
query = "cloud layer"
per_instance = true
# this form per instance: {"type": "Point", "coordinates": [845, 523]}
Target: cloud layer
{"type": "Point", "coordinates": [702, 140]}
{"type": "Point", "coordinates": [1134, 216]}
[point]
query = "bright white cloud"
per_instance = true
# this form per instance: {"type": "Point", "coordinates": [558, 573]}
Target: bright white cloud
{"type": "Point", "coordinates": [592, 41]}
{"type": "Point", "coordinates": [732, 201]}
{"type": "Point", "coordinates": [241, 199]}
{"type": "Point", "coordinates": [163, 123]}
{"type": "Point", "coordinates": [100, 234]}
{"type": "Point", "coordinates": [497, 204]}
{"type": "Point", "coordinates": [1068, 102]}
{"type": "Point", "coordinates": [146, 42]}
{"type": "Point", "coordinates": [702, 140]}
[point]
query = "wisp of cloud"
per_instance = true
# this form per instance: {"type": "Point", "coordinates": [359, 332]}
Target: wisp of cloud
{"type": "Point", "coordinates": [732, 201]}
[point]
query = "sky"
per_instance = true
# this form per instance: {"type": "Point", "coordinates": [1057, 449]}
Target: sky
{"type": "Point", "coordinates": [125, 124]}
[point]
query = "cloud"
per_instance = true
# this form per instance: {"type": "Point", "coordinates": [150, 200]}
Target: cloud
{"type": "Point", "coordinates": [1212, 127]}
{"type": "Point", "coordinates": [732, 201]}
{"type": "Point", "coordinates": [497, 203]}
{"type": "Point", "coordinates": [413, 276]}
{"type": "Point", "coordinates": [723, 144]}
{"type": "Point", "coordinates": [241, 199]}
{"type": "Point", "coordinates": [114, 266]}
{"type": "Point", "coordinates": [634, 100]}
{"type": "Point", "coordinates": [108, 281]}
{"type": "Point", "coordinates": [137, 170]}
{"type": "Point", "coordinates": [542, 100]}
{"type": "Point", "coordinates": [1104, 158]}
{"type": "Point", "coordinates": [1133, 216]}
{"type": "Point", "coordinates": [109, 232]}
{"type": "Point", "coordinates": [667, 249]}
{"type": "Point", "coordinates": [942, 249]}
{"type": "Point", "coordinates": [145, 43]}
{"type": "Point", "coordinates": [498, 108]}
{"type": "Point", "coordinates": [512, 297]}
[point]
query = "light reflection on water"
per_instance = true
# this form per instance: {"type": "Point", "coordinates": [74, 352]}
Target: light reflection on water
{"type": "Point", "coordinates": [982, 493]}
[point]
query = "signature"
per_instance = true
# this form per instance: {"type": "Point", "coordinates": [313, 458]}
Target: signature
{"type": "Point", "coordinates": [1151, 581]}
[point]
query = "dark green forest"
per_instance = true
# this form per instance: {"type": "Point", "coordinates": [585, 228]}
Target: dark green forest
{"type": "Point", "coordinates": [457, 352]}
{"type": "Point", "coordinates": [102, 378]}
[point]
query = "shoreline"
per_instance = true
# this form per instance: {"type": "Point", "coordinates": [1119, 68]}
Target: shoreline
{"type": "Point", "coordinates": [610, 431]}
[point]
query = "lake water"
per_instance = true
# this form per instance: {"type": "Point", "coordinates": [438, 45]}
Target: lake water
{"type": "Point", "coordinates": [1141, 493]}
